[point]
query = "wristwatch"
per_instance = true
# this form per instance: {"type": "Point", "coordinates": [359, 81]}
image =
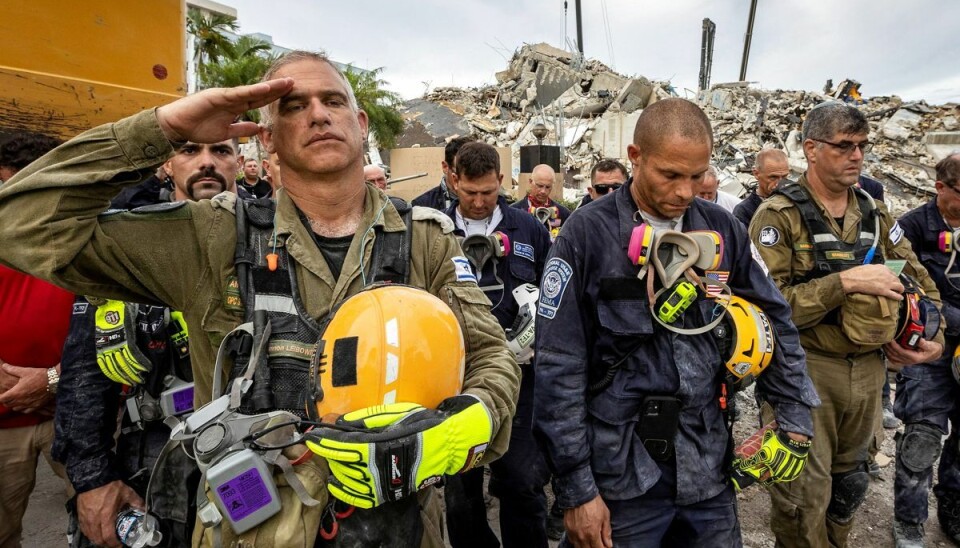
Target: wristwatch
{"type": "Point", "coordinates": [53, 379]}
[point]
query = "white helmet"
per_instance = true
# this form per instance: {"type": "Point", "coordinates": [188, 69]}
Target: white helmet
{"type": "Point", "coordinates": [520, 335]}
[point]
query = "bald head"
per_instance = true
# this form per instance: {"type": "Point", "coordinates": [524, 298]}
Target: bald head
{"type": "Point", "coordinates": [770, 155]}
{"type": "Point", "coordinates": [671, 118]}
{"type": "Point", "coordinates": [374, 174]}
{"type": "Point", "coordinates": [541, 183]}
{"type": "Point", "coordinates": [770, 168]}
{"type": "Point", "coordinates": [709, 185]}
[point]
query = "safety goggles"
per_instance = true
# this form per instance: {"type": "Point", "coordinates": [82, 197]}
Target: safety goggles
{"type": "Point", "coordinates": [603, 189]}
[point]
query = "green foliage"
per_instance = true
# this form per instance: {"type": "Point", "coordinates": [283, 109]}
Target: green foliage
{"type": "Point", "coordinates": [381, 105]}
{"type": "Point", "coordinates": [243, 63]}
{"type": "Point", "coordinates": [210, 42]}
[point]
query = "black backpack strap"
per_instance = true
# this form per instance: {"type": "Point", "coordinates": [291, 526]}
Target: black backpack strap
{"type": "Point", "coordinates": [391, 250]}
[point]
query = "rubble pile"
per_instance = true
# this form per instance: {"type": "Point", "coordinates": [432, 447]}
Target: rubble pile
{"type": "Point", "coordinates": [909, 138]}
{"type": "Point", "coordinates": [590, 111]}
{"type": "Point", "coordinates": [582, 103]}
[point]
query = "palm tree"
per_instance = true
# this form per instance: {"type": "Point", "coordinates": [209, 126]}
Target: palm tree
{"type": "Point", "coordinates": [243, 62]}
{"type": "Point", "coordinates": [380, 104]}
{"type": "Point", "coordinates": [210, 39]}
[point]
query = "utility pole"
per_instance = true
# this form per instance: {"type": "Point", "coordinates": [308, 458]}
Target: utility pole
{"type": "Point", "coordinates": [706, 52]}
{"type": "Point", "coordinates": [580, 27]}
{"type": "Point", "coordinates": [746, 41]}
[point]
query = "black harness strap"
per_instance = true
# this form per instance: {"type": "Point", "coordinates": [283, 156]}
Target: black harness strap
{"type": "Point", "coordinates": [280, 381]}
{"type": "Point", "coordinates": [832, 254]}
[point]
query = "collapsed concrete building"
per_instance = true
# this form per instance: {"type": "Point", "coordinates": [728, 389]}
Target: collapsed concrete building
{"type": "Point", "coordinates": [590, 112]}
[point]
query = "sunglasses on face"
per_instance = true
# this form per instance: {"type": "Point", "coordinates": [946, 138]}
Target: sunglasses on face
{"type": "Point", "coordinates": [603, 189]}
{"type": "Point", "coordinates": [846, 147]}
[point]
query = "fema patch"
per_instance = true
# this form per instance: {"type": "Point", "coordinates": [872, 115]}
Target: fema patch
{"type": "Point", "coordinates": [769, 236]}
{"type": "Point", "coordinates": [555, 279]}
{"type": "Point", "coordinates": [896, 233]}
{"type": "Point", "coordinates": [80, 308]}
{"type": "Point", "coordinates": [462, 267]}
{"type": "Point", "coordinates": [523, 250]}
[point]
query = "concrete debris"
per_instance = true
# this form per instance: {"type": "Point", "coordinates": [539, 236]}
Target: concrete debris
{"type": "Point", "coordinates": [590, 111]}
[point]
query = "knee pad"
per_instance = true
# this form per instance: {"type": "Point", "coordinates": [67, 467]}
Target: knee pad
{"type": "Point", "coordinates": [919, 446]}
{"type": "Point", "coordinates": [847, 494]}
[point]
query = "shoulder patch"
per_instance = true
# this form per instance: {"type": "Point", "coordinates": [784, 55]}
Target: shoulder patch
{"type": "Point", "coordinates": [226, 200]}
{"type": "Point", "coordinates": [421, 213]}
{"type": "Point", "coordinates": [523, 250]}
{"type": "Point", "coordinates": [80, 308]}
{"type": "Point", "coordinates": [896, 233]}
{"type": "Point", "coordinates": [159, 208]}
{"type": "Point", "coordinates": [769, 236]}
{"type": "Point", "coordinates": [759, 259]}
{"type": "Point", "coordinates": [776, 202]}
{"type": "Point", "coordinates": [462, 267]}
{"type": "Point", "coordinates": [556, 276]}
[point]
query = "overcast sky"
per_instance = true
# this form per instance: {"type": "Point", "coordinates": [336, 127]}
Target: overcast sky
{"type": "Point", "coordinates": [907, 48]}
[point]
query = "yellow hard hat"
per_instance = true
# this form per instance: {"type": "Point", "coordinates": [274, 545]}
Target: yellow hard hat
{"type": "Point", "coordinates": [390, 343]}
{"type": "Point", "coordinates": [750, 336]}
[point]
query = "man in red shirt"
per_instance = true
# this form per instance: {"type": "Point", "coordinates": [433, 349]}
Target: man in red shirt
{"type": "Point", "coordinates": [34, 317]}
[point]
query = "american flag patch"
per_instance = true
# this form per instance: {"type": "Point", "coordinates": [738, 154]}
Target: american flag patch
{"type": "Point", "coordinates": [712, 289]}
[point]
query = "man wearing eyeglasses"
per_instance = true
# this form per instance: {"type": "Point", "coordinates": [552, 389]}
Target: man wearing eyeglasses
{"type": "Point", "coordinates": [606, 176]}
{"type": "Point", "coordinates": [769, 169]}
{"type": "Point", "coordinates": [538, 197]}
{"type": "Point", "coordinates": [927, 394]}
{"type": "Point", "coordinates": [826, 243]}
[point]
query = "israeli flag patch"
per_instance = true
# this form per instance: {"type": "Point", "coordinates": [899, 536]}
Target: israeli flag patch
{"type": "Point", "coordinates": [556, 276]}
{"type": "Point", "coordinates": [896, 233]}
{"type": "Point", "coordinates": [523, 250]}
{"type": "Point", "coordinates": [462, 267]}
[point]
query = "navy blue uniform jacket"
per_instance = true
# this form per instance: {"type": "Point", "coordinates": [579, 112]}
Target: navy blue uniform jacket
{"type": "Point", "coordinates": [922, 226]}
{"type": "Point", "coordinates": [529, 244]}
{"type": "Point", "coordinates": [593, 310]}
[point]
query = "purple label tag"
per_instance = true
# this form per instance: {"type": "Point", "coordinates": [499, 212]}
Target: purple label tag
{"type": "Point", "coordinates": [183, 400]}
{"type": "Point", "coordinates": [244, 494]}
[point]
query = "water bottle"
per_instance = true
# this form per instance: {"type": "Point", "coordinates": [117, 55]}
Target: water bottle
{"type": "Point", "coordinates": [136, 529]}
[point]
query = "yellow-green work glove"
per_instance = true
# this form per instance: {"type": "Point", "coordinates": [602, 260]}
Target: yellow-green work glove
{"type": "Point", "coordinates": [117, 353]}
{"type": "Point", "coordinates": [179, 334]}
{"type": "Point", "coordinates": [780, 459]}
{"type": "Point", "coordinates": [401, 448]}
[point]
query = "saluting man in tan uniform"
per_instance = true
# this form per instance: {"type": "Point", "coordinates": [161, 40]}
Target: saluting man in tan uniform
{"type": "Point", "coordinates": [182, 254]}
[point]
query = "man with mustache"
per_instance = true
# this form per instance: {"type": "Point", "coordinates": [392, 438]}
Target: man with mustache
{"type": "Point", "coordinates": [628, 411]}
{"type": "Point", "coordinates": [332, 236]}
{"type": "Point", "coordinates": [201, 171]}
{"type": "Point", "coordinates": [108, 476]}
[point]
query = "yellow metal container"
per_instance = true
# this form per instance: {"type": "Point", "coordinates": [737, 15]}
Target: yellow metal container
{"type": "Point", "coordinates": [68, 66]}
